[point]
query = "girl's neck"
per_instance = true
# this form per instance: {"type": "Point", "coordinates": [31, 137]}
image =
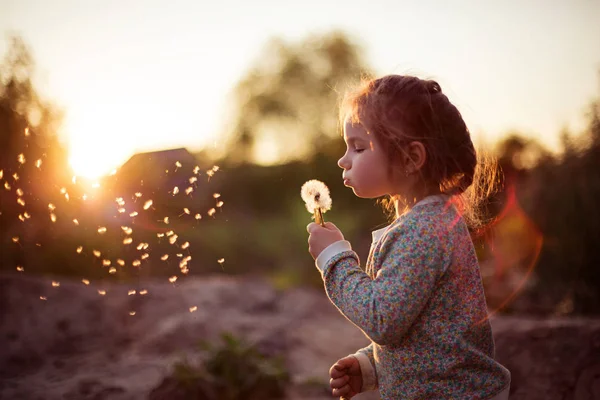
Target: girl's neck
{"type": "Point", "coordinates": [406, 202]}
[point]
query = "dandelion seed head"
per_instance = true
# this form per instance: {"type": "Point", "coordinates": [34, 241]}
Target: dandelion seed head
{"type": "Point", "coordinates": [147, 204]}
{"type": "Point", "coordinates": [315, 195]}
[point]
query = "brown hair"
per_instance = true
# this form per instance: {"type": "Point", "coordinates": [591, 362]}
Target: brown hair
{"type": "Point", "coordinates": [401, 109]}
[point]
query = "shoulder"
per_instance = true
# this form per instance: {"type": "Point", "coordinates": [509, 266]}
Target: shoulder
{"type": "Point", "coordinates": [429, 226]}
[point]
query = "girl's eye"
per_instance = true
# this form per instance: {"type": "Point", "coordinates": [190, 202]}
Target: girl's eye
{"type": "Point", "coordinates": [359, 150]}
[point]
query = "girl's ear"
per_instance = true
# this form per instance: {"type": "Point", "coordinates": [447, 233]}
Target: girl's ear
{"type": "Point", "coordinates": [416, 156]}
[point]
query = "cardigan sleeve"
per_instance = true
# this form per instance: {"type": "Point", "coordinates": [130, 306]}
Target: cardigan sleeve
{"type": "Point", "coordinates": [411, 260]}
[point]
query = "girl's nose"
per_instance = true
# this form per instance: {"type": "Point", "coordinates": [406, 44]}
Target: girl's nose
{"type": "Point", "coordinates": [343, 163]}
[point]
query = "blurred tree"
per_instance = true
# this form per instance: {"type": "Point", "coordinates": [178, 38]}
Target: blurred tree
{"type": "Point", "coordinates": [31, 158]}
{"type": "Point", "coordinates": [286, 105]}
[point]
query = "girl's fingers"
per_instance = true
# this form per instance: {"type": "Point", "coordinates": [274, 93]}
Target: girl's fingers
{"type": "Point", "coordinates": [339, 382]}
{"type": "Point", "coordinates": [341, 391]}
{"type": "Point", "coordinates": [335, 373]}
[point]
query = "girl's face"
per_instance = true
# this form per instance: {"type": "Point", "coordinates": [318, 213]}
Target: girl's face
{"type": "Point", "coordinates": [364, 163]}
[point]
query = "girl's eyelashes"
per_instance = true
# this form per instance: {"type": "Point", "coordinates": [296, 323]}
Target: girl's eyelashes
{"type": "Point", "coordinates": [359, 150]}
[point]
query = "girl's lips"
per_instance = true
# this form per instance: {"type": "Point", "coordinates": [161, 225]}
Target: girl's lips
{"type": "Point", "coordinates": [346, 182]}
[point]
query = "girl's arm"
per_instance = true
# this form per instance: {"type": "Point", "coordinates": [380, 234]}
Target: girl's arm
{"type": "Point", "coordinates": [385, 307]}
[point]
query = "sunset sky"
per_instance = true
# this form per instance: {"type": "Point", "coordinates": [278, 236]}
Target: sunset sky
{"type": "Point", "coordinates": [137, 75]}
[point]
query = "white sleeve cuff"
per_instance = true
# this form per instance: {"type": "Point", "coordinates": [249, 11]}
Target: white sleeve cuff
{"type": "Point", "coordinates": [330, 251]}
{"type": "Point", "coordinates": [369, 377]}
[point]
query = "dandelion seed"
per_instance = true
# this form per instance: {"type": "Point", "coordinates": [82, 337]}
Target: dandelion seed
{"type": "Point", "coordinates": [179, 255]}
{"type": "Point", "coordinates": [177, 164]}
{"type": "Point", "coordinates": [211, 212]}
{"type": "Point", "coordinates": [75, 221]}
{"type": "Point", "coordinates": [215, 168]}
{"type": "Point", "coordinates": [193, 308]}
{"type": "Point", "coordinates": [15, 239]}
{"type": "Point", "coordinates": [101, 292]}
{"type": "Point", "coordinates": [130, 292]}
{"type": "Point", "coordinates": [38, 164]}
{"type": "Point", "coordinates": [43, 298]}
{"type": "Point", "coordinates": [196, 170]}
{"type": "Point", "coordinates": [175, 190]}
{"type": "Point", "coordinates": [96, 253]}
{"type": "Point", "coordinates": [84, 197]}
{"type": "Point", "coordinates": [173, 239]}
{"type": "Point", "coordinates": [21, 158]}
{"type": "Point", "coordinates": [221, 260]}
{"type": "Point", "coordinates": [21, 201]}
{"type": "Point", "coordinates": [63, 190]}
{"type": "Point", "coordinates": [132, 313]}
{"type": "Point", "coordinates": [193, 179]}
{"type": "Point", "coordinates": [22, 218]}
{"type": "Point", "coordinates": [165, 257]}
{"type": "Point", "coordinates": [26, 215]}
{"type": "Point", "coordinates": [6, 186]}
{"type": "Point", "coordinates": [210, 173]}
{"type": "Point", "coordinates": [198, 216]}
{"type": "Point", "coordinates": [79, 249]}
{"type": "Point", "coordinates": [15, 176]}
{"type": "Point", "coordinates": [102, 230]}
{"type": "Point", "coordinates": [67, 196]}
{"type": "Point", "coordinates": [185, 270]}
{"type": "Point", "coordinates": [186, 210]}
{"type": "Point", "coordinates": [120, 201]}
{"type": "Point", "coordinates": [185, 245]}
{"type": "Point", "coordinates": [166, 220]}
{"type": "Point", "coordinates": [133, 214]}
{"type": "Point", "coordinates": [1, 173]}
{"type": "Point", "coordinates": [143, 292]}
{"type": "Point", "coordinates": [172, 279]}
{"type": "Point", "coordinates": [51, 207]}
{"type": "Point", "coordinates": [55, 284]}
{"type": "Point", "coordinates": [73, 179]}
{"type": "Point", "coordinates": [127, 240]}
{"type": "Point", "coordinates": [19, 192]}
{"type": "Point", "coordinates": [160, 235]}
{"type": "Point", "coordinates": [127, 230]}
{"type": "Point", "coordinates": [53, 217]}
{"type": "Point", "coordinates": [220, 204]}
{"type": "Point", "coordinates": [144, 256]}
{"type": "Point", "coordinates": [145, 246]}
{"type": "Point", "coordinates": [189, 190]}
{"type": "Point", "coordinates": [140, 246]}
{"type": "Point", "coordinates": [106, 263]}
{"type": "Point", "coordinates": [20, 269]}
{"type": "Point", "coordinates": [112, 270]}
{"type": "Point", "coordinates": [169, 233]}
{"type": "Point", "coordinates": [85, 281]}
{"type": "Point", "coordinates": [136, 263]}
{"type": "Point", "coordinates": [138, 194]}
{"type": "Point", "coordinates": [147, 204]}
{"type": "Point", "coordinates": [120, 262]}
{"type": "Point", "coordinates": [217, 195]}
{"type": "Point", "coordinates": [26, 131]}
{"type": "Point", "coordinates": [121, 210]}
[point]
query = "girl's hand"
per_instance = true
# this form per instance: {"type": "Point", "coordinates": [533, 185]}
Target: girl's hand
{"type": "Point", "coordinates": [320, 237]}
{"type": "Point", "coordinates": [346, 378]}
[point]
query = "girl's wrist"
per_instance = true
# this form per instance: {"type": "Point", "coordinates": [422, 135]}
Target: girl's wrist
{"type": "Point", "coordinates": [330, 251]}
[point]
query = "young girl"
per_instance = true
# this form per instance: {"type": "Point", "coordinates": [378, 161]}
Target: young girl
{"type": "Point", "coordinates": [420, 299]}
